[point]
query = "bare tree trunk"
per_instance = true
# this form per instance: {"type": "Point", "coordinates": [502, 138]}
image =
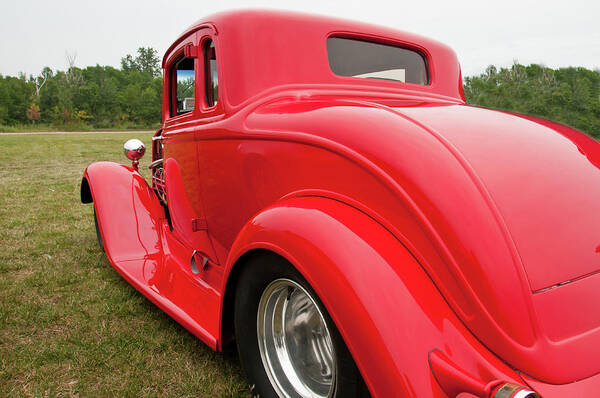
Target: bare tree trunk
{"type": "Point", "coordinates": [72, 76]}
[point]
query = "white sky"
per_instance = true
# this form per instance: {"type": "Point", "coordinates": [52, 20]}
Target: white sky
{"type": "Point", "coordinates": [37, 33]}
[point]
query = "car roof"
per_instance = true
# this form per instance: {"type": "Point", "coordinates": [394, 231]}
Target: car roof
{"type": "Point", "coordinates": [263, 49]}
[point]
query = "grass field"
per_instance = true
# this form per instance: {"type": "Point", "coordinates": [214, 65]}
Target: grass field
{"type": "Point", "coordinates": [69, 324]}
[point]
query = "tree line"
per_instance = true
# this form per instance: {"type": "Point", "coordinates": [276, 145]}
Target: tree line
{"type": "Point", "coordinates": [567, 95]}
{"type": "Point", "coordinates": [131, 96]}
{"type": "Point", "coordinates": [92, 97]}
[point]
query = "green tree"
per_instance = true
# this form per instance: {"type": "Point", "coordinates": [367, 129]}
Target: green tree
{"type": "Point", "coordinates": [146, 61]}
{"type": "Point", "coordinates": [15, 98]}
{"type": "Point", "coordinates": [567, 95]}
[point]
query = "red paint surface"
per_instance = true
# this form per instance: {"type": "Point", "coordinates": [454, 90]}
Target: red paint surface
{"type": "Point", "coordinates": [421, 223]}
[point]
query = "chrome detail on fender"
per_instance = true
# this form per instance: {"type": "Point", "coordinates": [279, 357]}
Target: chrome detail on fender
{"type": "Point", "coordinates": [134, 149]}
{"type": "Point", "coordinates": [510, 390]}
{"type": "Point", "coordinates": [294, 342]}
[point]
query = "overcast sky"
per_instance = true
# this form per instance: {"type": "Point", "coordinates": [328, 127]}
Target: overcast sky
{"type": "Point", "coordinates": [38, 33]}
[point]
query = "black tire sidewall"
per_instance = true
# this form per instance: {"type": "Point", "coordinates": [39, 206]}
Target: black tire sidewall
{"type": "Point", "coordinates": [98, 235]}
{"type": "Point", "coordinates": [257, 274]}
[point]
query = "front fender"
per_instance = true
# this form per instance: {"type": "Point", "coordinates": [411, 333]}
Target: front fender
{"type": "Point", "coordinates": [385, 306]}
{"type": "Point", "coordinates": [127, 210]}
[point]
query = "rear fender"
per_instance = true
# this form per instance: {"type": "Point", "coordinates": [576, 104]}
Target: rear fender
{"type": "Point", "coordinates": [385, 306]}
{"type": "Point", "coordinates": [127, 210]}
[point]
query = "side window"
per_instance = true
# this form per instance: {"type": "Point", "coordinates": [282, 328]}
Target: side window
{"type": "Point", "coordinates": [182, 86]}
{"type": "Point", "coordinates": [211, 79]}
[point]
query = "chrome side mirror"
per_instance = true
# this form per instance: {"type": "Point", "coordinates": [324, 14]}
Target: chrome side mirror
{"type": "Point", "coordinates": [134, 149]}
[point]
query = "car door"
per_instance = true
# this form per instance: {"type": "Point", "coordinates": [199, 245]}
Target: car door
{"type": "Point", "coordinates": [214, 161]}
{"type": "Point", "coordinates": [194, 277]}
{"type": "Point", "coordinates": [179, 142]}
{"type": "Point", "coordinates": [238, 179]}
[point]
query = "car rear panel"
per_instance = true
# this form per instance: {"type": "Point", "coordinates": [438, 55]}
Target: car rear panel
{"type": "Point", "coordinates": [546, 187]}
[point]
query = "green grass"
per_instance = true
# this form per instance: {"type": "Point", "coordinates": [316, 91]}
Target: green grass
{"type": "Point", "coordinates": [69, 324]}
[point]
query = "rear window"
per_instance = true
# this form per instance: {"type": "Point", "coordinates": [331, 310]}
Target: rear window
{"type": "Point", "coordinates": [370, 60]}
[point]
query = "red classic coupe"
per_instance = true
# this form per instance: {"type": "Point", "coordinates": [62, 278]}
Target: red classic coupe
{"type": "Point", "coordinates": [322, 196]}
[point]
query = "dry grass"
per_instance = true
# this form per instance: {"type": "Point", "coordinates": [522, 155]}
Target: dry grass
{"type": "Point", "coordinates": [69, 324]}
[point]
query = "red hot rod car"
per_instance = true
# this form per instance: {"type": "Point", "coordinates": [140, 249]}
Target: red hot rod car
{"type": "Point", "coordinates": [322, 195]}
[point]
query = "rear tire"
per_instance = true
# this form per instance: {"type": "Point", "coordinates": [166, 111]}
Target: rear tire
{"type": "Point", "coordinates": [287, 342]}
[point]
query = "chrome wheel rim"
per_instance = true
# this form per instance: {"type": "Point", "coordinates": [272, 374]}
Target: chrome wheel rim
{"type": "Point", "coordinates": [294, 342]}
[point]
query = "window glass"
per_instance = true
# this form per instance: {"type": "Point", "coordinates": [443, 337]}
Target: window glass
{"type": "Point", "coordinates": [359, 58]}
{"type": "Point", "coordinates": [184, 85]}
{"type": "Point", "coordinates": [210, 74]}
